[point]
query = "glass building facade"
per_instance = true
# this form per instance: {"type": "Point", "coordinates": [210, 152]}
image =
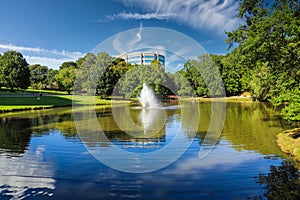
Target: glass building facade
{"type": "Point", "coordinates": [144, 58]}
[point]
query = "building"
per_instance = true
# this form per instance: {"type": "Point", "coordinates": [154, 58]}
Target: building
{"type": "Point", "coordinates": [144, 58]}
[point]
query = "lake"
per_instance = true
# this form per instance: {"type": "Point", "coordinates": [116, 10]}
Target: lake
{"type": "Point", "coordinates": [45, 154]}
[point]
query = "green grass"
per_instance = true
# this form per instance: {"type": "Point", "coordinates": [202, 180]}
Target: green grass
{"type": "Point", "coordinates": [7, 91]}
{"type": "Point", "coordinates": [289, 142]}
{"type": "Point", "coordinates": [34, 101]}
{"type": "Point", "coordinates": [17, 103]}
{"type": "Point", "coordinates": [220, 99]}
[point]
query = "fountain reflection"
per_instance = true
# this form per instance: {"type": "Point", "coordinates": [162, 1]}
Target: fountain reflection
{"type": "Point", "coordinates": [136, 127]}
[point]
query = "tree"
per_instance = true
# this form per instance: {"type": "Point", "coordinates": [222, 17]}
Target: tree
{"type": "Point", "coordinates": [38, 76]}
{"type": "Point", "coordinates": [51, 80]}
{"type": "Point", "coordinates": [84, 65]}
{"type": "Point", "coordinates": [204, 77]}
{"type": "Point", "coordinates": [268, 45]}
{"type": "Point", "coordinates": [235, 76]}
{"type": "Point", "coordinates": [102, 61]}
{"type": "Point", "coordinates": [154, 76]}
{"type": "Point", "coordinates": [66, 78]}
{"type": "Point", "coordinates": [68, 64]}
{"type": "Point", "coordinates": [111, 76]}
{"type": "Point", "coordinates": [183, 85]}
{"type": "Point", "coordinates": [14, 71]}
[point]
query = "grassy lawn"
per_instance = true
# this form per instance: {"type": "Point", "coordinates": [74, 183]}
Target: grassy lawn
{"type": "Point", "coordinates": [221, 99]}
{"type": "Point", "coordinates": [6, 91]}
{"type": "Point", "coordinates": [17, 103]}
{"type": "Point", "coordinates": [289, 142]}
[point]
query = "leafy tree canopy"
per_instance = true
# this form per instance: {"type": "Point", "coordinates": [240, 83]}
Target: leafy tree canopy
{"type": "Point", "coordinates": [269, 45]}
{"type": "Point", "coordinates": [14, 70]}
{"type": "Point", "coordinates": [38, 76]}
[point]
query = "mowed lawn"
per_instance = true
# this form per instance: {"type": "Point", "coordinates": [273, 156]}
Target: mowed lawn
{"type": "Point", "coordinates": [11, 103]}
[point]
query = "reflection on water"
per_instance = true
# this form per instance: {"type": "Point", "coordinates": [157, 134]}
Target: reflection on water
{"type": "Point", "coordinates": [282, 182]}
{"type": "Point", "coordinates": [41, 155]}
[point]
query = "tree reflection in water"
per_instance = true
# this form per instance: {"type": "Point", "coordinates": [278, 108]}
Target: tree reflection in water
{"type": "Point", "coordinates": [282, 182]}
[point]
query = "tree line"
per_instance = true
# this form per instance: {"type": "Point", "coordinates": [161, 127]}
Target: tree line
{"type": "Point", "coordinates": [264, 60]}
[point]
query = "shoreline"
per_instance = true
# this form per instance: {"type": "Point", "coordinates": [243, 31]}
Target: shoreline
{"type": "Point", "coordinates": [35, 104]}
{"type": "Point", "coordinates": [11, 104]}
{"type": "Point", "coordinates": [221, 99]}
{"type": "Point", "coordinates": [289, 143]}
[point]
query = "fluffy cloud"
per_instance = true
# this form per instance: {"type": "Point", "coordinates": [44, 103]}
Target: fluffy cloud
{"type": "Point", "coordinates": [213, 15]}
{"type": "Point", "coordinates": [37, 55]}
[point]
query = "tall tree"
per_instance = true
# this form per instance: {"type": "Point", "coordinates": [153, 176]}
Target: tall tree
{"type": "Point", "coordinates": [111, 76]}
{"type": "Point", "coordinates": [204, 76]}
{"type": "Point", "coordinates": [97, 70]}
{"type": "Point", "coordinates": [38, 76]}
{"type": "Point", "coordinates": [51, 80]}
{"type": "Point", "coordinates": [68, 64]}
{"type": "Point", "coordinates": [66, 78]}
{"type": "Point", "coordinates": [268, 44]}
{"type": "Point", "coordinates": [84, 65]}
{"type": "Point", "coordinates": [14, 70]}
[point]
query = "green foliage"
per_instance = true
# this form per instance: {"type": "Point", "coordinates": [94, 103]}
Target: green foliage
{"type": "Point", "coordinates": [68, 64]}
{"type": "Point", "coordinates": [291, 98]}
{"type": "Point", "coordinates": [66, 78]}
{"type": "Point", "coordinates": [183, 85]}
{"type": "Point", "coordinates": [111, 76]}
{"type": "Point", "coordinates": [268, 45]}
{"type": "Point", "coordinates": [14, 71]}
{"type": "Point", "coordinates": [204, 77]}
{"type": "Point", "coordinates": [50, 79]}
{"type": "Point", "coordinates": [38, 76]}
{"type": "Point", "coordinates": [235, 76]}
{"type": "Point", "coordinates": [260, 83]}
{"type": "Point", "coordinates": [84, 64]}
{"type": "Point", "coordinates": [154, 76]}
{"type": "Point", "coordinates": [95, 73]}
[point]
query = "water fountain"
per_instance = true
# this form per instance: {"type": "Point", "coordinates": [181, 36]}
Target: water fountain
{"type": "Point", "coordinates": [147, 98]}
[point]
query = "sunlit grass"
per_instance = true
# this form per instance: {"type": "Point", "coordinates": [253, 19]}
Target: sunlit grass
{"type": "Point", "coordinates": [289, 142]}
{"type": "Point", "coordinates": [7, 91]}
{"type": "Point", "coordinates": [16, 103]}
{"type": "Point", "coordinates": [219, 99]}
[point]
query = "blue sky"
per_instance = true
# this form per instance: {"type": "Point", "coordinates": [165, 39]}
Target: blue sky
{"type": "Point", "coordinates": [50, 32]}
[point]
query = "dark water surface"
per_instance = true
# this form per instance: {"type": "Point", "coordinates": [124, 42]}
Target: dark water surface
{"type": "Point", "coordinates": [42, 156]}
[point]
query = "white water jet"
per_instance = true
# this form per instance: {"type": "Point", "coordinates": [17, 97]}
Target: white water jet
{"type": "Point", "coordinates": [148, 98]}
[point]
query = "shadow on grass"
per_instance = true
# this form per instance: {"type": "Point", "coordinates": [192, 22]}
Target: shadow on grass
{"type": "Point", "coordinates": [35, 101]}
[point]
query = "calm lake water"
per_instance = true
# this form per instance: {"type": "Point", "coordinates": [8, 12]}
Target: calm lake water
{"type": "Point", "coordinates": [42, 155]}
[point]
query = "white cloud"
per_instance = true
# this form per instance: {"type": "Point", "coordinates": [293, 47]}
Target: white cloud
{"type": "Point", "coordinates": [138, 37]}
{"type": "Point", "coordinates": [139, 34]}
{"type": "Point", "coordinates": [117, 44]}
{"type": "Point", "coordinates": [139, 16]}
{"type": "Point", "coordinates": [36, 55]}
{"type": "Point", "coordinates": [216, 15]}
{"type": "Point", "coordinates": [129, 43]}
{"type": "Point", "coordinates": [53, 63]}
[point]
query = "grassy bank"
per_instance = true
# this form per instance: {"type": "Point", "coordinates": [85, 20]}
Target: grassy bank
{"type": "Point", "coordinates": [19, 103]}
{"type": "Point", "coordinates": [289, 142]}
{"type": "Point", "coordinates": [221, 99]}
{"type": "Point", "coordinates": [7, 91]}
